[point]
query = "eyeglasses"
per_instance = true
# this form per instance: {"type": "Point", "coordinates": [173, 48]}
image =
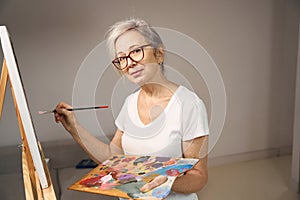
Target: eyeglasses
{"type": "Point", "coordinates": [135, 55]}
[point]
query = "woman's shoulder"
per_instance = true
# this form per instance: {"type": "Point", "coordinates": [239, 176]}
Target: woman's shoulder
{"type": "Point", "coordinates": [186, 94]}
{"type": "Point", "coordinates": [134, 93]}
{"type": "Point", "coordinates": [131, 99]}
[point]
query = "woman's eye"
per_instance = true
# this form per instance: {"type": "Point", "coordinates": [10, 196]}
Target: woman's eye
{"type": "Point", "coordinates": [136, 50]}
{"type": "Point", "coordinates": [120, 59]}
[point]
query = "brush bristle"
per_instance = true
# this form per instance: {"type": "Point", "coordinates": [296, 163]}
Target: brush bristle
{"type": "Point", "coordinates": [42, 112]}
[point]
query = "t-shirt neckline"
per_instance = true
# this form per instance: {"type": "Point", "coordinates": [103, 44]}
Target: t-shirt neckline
{"type": "Point", "coordinates": [160, 115]}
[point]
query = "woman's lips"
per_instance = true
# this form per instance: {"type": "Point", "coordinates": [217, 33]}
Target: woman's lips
{"type": "Point", "coordinates": [136, 73]}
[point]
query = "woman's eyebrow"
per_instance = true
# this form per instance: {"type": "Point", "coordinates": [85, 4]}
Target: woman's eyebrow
{"type": "Point", "coordinates": [130, 48]}
{"type": "Point", "coordinates": [133, 46]}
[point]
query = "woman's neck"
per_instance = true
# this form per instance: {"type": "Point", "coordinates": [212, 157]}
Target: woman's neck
{"type": "Point", "coordinates": [159, 89]}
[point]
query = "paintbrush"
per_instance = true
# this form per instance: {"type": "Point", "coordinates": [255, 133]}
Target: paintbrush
{"type": "Point", "coordinates": [72, 109]}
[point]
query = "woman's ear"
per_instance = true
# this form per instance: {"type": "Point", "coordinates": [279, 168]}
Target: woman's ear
{"type": "Point", "coordinates": [160, 54]}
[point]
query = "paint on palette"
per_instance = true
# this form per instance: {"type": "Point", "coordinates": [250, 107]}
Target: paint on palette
{"type": "Point", "coordinates": [123, 176]}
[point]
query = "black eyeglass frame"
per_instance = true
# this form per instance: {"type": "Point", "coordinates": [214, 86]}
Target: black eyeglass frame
{"type": "Point", "coordinates": [114, 62]}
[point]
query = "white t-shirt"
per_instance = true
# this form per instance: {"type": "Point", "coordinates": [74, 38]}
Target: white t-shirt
{"type": "Point", "coordinates": [183, 119]}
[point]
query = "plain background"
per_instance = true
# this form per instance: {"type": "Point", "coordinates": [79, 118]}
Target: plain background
{"type": "Point", "coordinates": [254, 43]}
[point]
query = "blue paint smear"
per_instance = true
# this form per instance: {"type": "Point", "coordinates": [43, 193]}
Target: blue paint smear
{"type": "Point", "coordinates": [163, 170]}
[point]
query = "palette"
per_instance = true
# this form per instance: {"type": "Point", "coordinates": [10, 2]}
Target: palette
{"type": "Point", "coordinates": [123, 176]}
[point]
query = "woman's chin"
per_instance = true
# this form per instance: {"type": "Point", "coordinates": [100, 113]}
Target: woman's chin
{"type": "Point", "coordinates": [138, 81]}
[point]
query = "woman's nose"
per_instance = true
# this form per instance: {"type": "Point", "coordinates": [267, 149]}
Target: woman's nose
{"type": "Point", "coordinates": [130, 62]}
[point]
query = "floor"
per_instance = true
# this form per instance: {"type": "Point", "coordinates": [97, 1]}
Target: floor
{"type": "Point", "coordinates": [265, 179]}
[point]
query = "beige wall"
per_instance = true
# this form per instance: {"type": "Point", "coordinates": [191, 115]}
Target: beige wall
{"type": "Point", "coordinates": [253, 43]}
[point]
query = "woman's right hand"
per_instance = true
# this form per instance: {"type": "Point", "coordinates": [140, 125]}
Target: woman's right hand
{"type": "Point", "coordinates": [65, 117]}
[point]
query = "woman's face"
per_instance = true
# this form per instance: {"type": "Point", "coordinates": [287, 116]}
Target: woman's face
{"type": "Point", "coordinates": [145, 70]}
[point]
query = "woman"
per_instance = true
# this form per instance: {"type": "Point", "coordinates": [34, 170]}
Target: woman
{"type": "Point", "coordinates": [160, 119]}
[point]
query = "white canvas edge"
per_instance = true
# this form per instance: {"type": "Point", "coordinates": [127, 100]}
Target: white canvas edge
{"type": "Point", "coordinates": [22, 105]}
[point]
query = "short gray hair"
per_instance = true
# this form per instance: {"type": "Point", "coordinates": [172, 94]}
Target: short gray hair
{"type": "Point", "coordinates": [136, 24]}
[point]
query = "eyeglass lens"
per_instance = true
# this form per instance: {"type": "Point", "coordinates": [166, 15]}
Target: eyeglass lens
{"type": "Point", "coordinates": [135, 55]}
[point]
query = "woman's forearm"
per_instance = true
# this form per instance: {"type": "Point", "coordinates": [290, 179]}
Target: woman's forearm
{"type": "Point", "coordinates": [193, 181]}
{"type": "Point", "coordinates": [95, 148]}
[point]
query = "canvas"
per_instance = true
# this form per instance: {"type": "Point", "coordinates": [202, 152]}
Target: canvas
{"type": "Point", "coordinates": [21, 104]}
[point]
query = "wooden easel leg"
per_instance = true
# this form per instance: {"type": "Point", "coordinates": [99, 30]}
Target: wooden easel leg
{"type": "Point", "coordinates": [3, 82]}
{"type": "Point", "coordinates": [48, 193]}
{"type": "Point", "coordinates": [32, 183]}
{"type": "Point", "coordinates": [28, 186]}
{"type": "Point", "coordinates": [33, 190]}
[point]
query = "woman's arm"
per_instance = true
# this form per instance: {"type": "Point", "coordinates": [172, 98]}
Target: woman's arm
{"type": "Point", "coordinates": [96, 149]}
{"type": "Point", "coordinates": [195, 179]}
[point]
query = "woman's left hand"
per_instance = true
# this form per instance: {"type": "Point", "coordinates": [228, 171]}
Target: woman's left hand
{"type": "Point", "coordinates": [157, 181]}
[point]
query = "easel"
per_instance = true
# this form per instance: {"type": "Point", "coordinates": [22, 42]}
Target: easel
{"type": "Point", "coordinates": [37, 185]}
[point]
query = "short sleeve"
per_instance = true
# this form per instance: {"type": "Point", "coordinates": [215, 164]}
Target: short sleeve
{"type": "Point", "coordinates": [120, 121]}
{"type": "Point", "coordinates": [194, 119]}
